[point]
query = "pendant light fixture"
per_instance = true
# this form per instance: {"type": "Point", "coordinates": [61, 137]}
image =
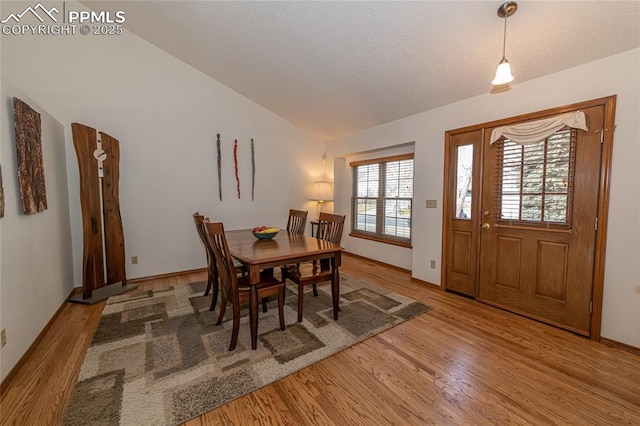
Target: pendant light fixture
{"type": "Point", "coordinates": [503, 73]}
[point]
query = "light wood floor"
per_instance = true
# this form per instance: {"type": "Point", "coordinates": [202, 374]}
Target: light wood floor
{"type": "Point", "coordinates": [461, 363]}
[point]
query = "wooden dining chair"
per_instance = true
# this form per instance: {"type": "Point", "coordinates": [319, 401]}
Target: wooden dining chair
{"type": "Point", "coordinates": [212, 281]}
{"type": "Point", "coordinates": [235, 289]}
{"type": "Point", "coordinates": [330, 227]}
{"type": "Point", "coordinates": [297, 221]}
{"type": "Point", "coordinates": [212, 266]}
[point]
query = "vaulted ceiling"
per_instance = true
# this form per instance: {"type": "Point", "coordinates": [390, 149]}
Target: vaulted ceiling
{"type": "Point", "coordinates": [335, 67]}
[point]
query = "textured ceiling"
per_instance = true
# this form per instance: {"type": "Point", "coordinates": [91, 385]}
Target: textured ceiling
{"type": "Point", "coordinates": [337, 67]}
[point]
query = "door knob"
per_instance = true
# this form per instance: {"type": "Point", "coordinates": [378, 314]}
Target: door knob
{"type": "Point", "coordinates": [486, 225]}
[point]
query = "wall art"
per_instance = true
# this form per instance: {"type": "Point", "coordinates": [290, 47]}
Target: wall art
{"type": "Point", "coordinates": [30, 165]}
{"type": "Point", "coordinates": [1, 194]}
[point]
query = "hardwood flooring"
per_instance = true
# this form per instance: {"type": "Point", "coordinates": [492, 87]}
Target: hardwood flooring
{"type": "Point", "coordinates": [461, 363]}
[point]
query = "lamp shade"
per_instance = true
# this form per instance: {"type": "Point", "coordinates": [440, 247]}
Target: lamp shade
{"type": "Point", "coordinates": [321, 191]}
{"type": "Point", "coordinates": [503, 73]}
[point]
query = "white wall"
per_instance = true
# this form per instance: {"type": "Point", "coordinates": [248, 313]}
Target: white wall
{"type": "Point", "coordinates": [165, 115]}
{"type": "Point", "coordinates": [36, 272]}
{"type": "Point", "coordinates": [616, 75]}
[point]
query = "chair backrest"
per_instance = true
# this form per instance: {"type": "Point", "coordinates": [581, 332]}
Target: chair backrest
{"type": "Point", "coordinates": [226, 270]}
{"type": "Point", "coordinates": [330, 227]}
{"type": "Point", "coordinates": [211, 260]}
{"type": "Point", "coordinates": [199, 220]}
{"type": "Point", "coordinates": [297, 221]}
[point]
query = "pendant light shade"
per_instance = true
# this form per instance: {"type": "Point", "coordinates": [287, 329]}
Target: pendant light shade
{"type": "Point", "coordinates": [503, 73]}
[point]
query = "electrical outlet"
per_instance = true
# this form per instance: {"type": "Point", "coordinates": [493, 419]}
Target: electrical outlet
{"type": "Point", "coordinates": [432, 204]}
{"type": "Point", "coordinates": [433, 264]}
{"type": "Point", "coordinates": [134, 260]}
{"type": "Point", "coordinates": [3, 338]}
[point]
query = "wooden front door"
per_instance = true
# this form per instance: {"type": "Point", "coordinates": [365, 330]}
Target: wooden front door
{"type": "Point", "coordinates": [523, 233]}
{"type": "Point", "coordinates": [539, 210]}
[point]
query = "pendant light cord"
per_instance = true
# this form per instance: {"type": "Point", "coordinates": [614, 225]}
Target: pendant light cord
{"type": "Point", "coordinates": [504, 40]}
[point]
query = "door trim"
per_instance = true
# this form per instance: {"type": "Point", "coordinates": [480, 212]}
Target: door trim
{"type": "Point", "coordinates": [604, 187]}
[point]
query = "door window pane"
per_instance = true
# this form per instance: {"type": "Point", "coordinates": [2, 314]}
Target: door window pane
{"type": "Point", "coordinates": [535, 180]}
{"type": "Point", "coordinates": [464, 154]}
{"type": "Point", "coordinates": [555, 208]}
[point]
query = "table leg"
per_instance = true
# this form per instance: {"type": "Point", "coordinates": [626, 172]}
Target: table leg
{"type": "Point", "coordinates": [253, 315]}
{"type": "Point", "coordinates": [335, 289]}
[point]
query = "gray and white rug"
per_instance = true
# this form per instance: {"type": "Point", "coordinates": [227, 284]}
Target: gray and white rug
{"type": "Point", "coordinates": [159, 359]}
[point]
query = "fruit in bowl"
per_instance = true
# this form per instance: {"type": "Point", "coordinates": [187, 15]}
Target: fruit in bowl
{"type": "Point", "coordinates": [264, 232]}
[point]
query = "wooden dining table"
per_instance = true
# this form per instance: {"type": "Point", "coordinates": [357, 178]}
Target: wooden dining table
{"type": "Point", "coordinates": [284, 249]}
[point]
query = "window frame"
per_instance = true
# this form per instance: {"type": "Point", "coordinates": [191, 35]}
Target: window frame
{"type": "Point", "coordinates": [539, 224]}
{"type": "Point", "coordinates": [379, 235]}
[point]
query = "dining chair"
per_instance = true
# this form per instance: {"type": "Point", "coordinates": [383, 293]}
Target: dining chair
{"type": "Point", "coordinates": [330, 228]}
{"type": "Point", "coordinates": [212, 267]}
{"type": "Point", "coordinates": [297, 221]}
{"type": "Point", "coordinates": [236, 289]}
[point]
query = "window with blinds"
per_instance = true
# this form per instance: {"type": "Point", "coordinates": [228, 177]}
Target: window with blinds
{"type": "Point", "coordinates": [382, 198]}
{"type": "Point", "coordinates": [535, 182]}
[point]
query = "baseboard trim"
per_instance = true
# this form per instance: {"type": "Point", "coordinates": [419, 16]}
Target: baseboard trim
{"type": "Point", "coordinates": [377, 262]}
{"type": "Point", "coordinates": [619, 345]}
{"type": "Point", "coordinates": [415, 280]}
{"type": "Point", "coordinates": [426, 283]}
{"type": "Point", "coordinates": [9, 378]}
{"type": "Point", "coordinates": [167, 275]}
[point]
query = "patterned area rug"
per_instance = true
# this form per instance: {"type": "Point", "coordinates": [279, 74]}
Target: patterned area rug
{"type": "Point", "coordinates": [159, 359]}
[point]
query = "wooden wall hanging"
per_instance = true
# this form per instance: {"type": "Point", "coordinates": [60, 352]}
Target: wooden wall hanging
{"type": "Point", "coordinates": [253, 170]}
{"type": "Point", "coordinates": [219, 167]}
{"type": "Point", "coordinates": [98, 162]}
{"type": "Point", "coordinates": [28, 130]}
{"type": "Point", "coordinates": [235, 162]}
{"type": "Point", "coordinates": [1, 194]}
{"type": "Point", "coordinates": [235, 165]}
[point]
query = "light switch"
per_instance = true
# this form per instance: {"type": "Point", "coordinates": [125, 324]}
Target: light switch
{"type": "Point", "coordinates": [432, 204]}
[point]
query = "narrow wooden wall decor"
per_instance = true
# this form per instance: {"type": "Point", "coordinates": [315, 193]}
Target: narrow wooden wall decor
{"type": "Point", "coordinates": [98, 162]}
{"type": "Point", "coordinates": [1, 194]}
{"type": "Point", "coordinates": [30, 165]}
{"type": "Point", "coordinates": [253, 170]}
{"type": "Point", "coordinates": [235, 162]}
{"type": "Point", "coordinates": [219, 168]}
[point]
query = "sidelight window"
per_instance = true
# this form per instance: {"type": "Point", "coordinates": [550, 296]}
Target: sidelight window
{"type": "Point", "coordinates": [464, 160]}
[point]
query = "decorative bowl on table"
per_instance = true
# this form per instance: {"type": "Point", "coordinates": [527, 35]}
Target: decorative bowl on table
{"type": "Point", "coordinates": [264, 232]}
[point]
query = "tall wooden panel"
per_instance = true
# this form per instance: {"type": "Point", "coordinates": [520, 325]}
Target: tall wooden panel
{"type": "Point", "coordinates": [114, 234]}
{"type": "Point", "coordinates": [85, 142]}
{"type": "Point", "coordinates": [99, 163]}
